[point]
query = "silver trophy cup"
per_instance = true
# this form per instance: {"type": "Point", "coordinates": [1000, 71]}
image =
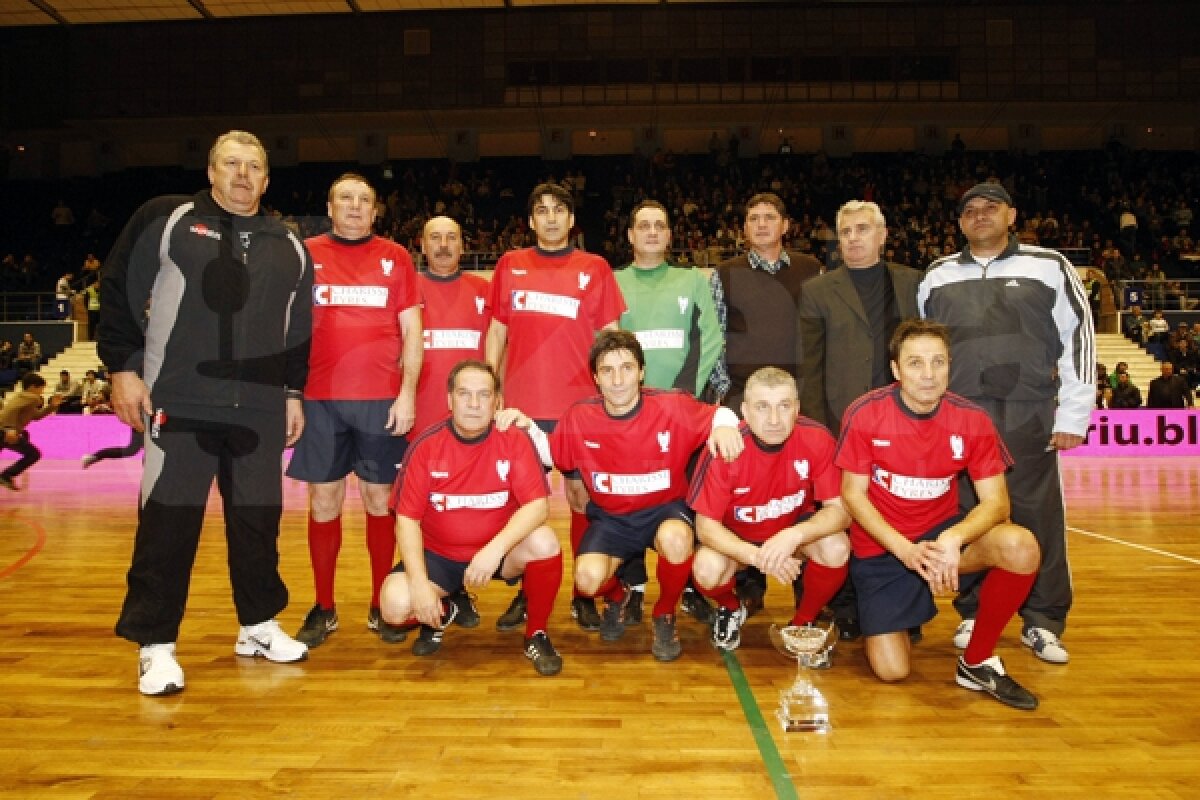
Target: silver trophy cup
{"type": "Point", "coordinates": [802, 707]}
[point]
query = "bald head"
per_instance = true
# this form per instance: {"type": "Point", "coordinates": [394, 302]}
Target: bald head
{"type": "Point", "coordinates": [441, 242]}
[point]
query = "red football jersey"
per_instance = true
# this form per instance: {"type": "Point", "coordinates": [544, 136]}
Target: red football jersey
{"type": "Point", "coordinates": [913, 460]}
{"type": "Point", "coordinates": [638, 460]}
{"type": "Point", "coordinates": [463, 492]}
{"type": "Point", "coordinates": [456, 315]}
{"type": "Point", "coordinates": [553, 304]}
{"type": "Point", "coordinates": [767, 489]}
{"type": "Point", "coordinates": [359, 290]}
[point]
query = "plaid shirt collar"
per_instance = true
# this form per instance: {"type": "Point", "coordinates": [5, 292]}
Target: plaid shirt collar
{"type": "Point", "coordinates": [769, 267]}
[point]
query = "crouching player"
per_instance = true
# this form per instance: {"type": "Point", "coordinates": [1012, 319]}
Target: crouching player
{"type": "Point", "coordinates": [471, 504]}
{"type": "Point", "coordinates": [761, 510]}
{"type": "Point", "coordinates": [902, 450]}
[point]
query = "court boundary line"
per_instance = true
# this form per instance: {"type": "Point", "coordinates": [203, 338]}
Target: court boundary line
{"type": "Point", "coordinates": [1135, 545]}
{"type": "Point", "coordinates": [777, 771]}
{"type": "Point", "coordinates": [38, 544]}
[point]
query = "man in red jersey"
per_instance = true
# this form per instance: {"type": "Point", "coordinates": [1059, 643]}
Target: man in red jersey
{"type": "Point", "coordinates": [455, 313]}
{"type": "Point", "coordinates": [762, 509]}
{"type": "Point", "coordinates": [471, 505]}
{"type": "Point", "coordinates": [631, 446]}
{"type": "Point", "coordinates": [902, 450]}
{"type": "Point", "coordinates": [359, 400]}
{"type": "Point", "coordinates": [548, 302]}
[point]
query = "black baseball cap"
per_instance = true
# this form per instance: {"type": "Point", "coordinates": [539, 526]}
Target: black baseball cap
{"type": "Point", "coordinates": [990, 191]}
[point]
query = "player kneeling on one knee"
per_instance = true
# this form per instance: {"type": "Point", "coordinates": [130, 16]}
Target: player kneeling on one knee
{"type": "Point", "coordinates": [471, 505]}
{"type": "Point", "coordinates": [902, 450]}
{"type": "Point", "coordinates": [773, 508]}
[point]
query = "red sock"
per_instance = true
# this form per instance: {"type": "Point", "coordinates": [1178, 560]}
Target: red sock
{"type": "Point", "coordinates": [611, 589]}
{"type": "Point", "coordinates": [672, 579]}
{"type": "Point", "coordinates": [381, 548]}
{"type": "Point", "coordinates": [324, 542]}
{"type": "Point", "coordinates": [542, 579]}
{"type": "Point", "coordinates": [1000, 596]}
{"type": "Point", "coordinates": [724, 595]}
{"type": "Point", "coordinates": [821, 583]}
{"type": "Point", "coordinates": [579, 526]}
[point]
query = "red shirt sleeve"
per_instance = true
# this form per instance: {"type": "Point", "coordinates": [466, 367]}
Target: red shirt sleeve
{"type": "Point", "coordinates": [711, 488]}
{"type": "Point", "coordinates": [410, 492]}
{"type": "Point", "coordinates": [528, 476]}
{"type": "Point", "coordinates": [827, 478]}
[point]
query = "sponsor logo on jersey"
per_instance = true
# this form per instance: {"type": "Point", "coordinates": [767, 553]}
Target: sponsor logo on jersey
{"type": "Point", "coordinates": [591, 444]}
{"type": "Point", "coordinates": [520, 272]}
{"type": "Point", "coordinates": [475, 502]}
{"type": "Point", "coordinates": [741, 490]}
{"type": "Point", "coordinates": [664, 441]}
{"type": "Point", "coordinates": [881, 443]}
{"type": "Point", "coordinates": [200, 229]}
{"type": "Point", "coordinates": [584, 280]}
{"type": "Point", "coordinates": [956, 447]}
{"type": "Point", "coordinates": [388, 265]}
{"type": "Point", "coordinates": [910, 488]}
{"type": "Point", "coordinates": [451, 339]}
{"type": "Point", "coordinates": [318, 265]}
{"type": "Point", "coordinates": [438, 474]}
{"type": "Point", "coordinates": [631, 485]}
{"type": "Point", "coordinates": [683, 304]}
{"type": "Point", "coordinates": [502, 468]}
{"type": "Point", "coordinates": [327, 294]}
{"type": "Point", "coordinates": [801, 467]}
{"type": "Point", "coordinates": [772, 509]}
{"type": "Point", "coordinates": [660, 339]}
{"type": "Point", "coordinates": [545, 303]}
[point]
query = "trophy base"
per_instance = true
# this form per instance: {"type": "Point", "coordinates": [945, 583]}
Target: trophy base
{"type": "Point", "coordinates": [795, 722]}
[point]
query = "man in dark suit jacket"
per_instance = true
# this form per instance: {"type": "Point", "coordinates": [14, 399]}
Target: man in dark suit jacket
{"type": "Point", "coordinates": [847, 317]}
{"type": "Point", "coordinates": [762, 296]}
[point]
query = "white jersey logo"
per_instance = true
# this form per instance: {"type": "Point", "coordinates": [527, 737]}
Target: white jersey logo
{"type": "Point", "coordinates": [956, 447]}
{"type": "Point", "coordinates": [438, 474]}
{"type": "Point", "coordinates": [502, 467]}
{"type": "Point", "coordinates": [631, 485]}
{"type": "Point", "coordinates": [451, 339]}
{"type": "Point", "coordinates": [584, 280]}
{"type": "Point", "coordinates": [544, 303]}
{"type": "Point", "coordinates": [454, 502]}
{"type": "Point", "coordinates": [683, 304]}
{"type": "Point", "coordinates": [801, 468]}
{"type": "Point", "coordinates": [590, 444]}
{"type": "Point", "coordinates": [742, 490]}
{"type": "Point", "coordinates": [880, 443]}
{"type": "Point", "coordinates": [666, 339]}
{"type": "Point", "coordinates": [664, 441]}
{"type": "Point", "coordinates": [520, 272]}
{"type": "Point", "coordinates": [478, 305]}
{"type": "Point", "coordinates": [772, 509]}
{"type": "Point", "coordinates": [910, 488]}
{"type": "Point", "coordinates": [327, 294]}
{"type": "Point", "coordinates": [387, 264]}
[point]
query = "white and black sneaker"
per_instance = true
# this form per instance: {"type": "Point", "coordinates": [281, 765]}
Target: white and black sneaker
{"type": "Point", "coordinates": [962, 634]}
{"type": "Point", "coordinates": [268, 640]}
{"type": "Point", "coordinates": [727, 627]}
{"type": "Point", "coordinates": [429, 640]}
{"type": "Point", "coordinates": [158, 671]}
{"type": "Point", "coordinates": [318, 624]}
{"type": "Point", "coordinates": [990, 677]}
{"type": "Point", "coordinates": [1045, 645]}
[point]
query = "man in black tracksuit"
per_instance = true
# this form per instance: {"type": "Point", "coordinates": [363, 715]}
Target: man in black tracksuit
{"type": "Point", "coordinates": [205, 328]}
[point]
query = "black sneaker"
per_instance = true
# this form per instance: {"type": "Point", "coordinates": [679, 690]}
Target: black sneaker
{"type": "Point", "coordinates": [990, 677]}
{"type": "Point", "coordinates": [583, 611]}
{"type": "Point", "coordinates": [727, 627]}
{"type": "Point", "coordinates": [541, 652]}
{"type": "Point", "coordinates": [468, 614]}
{"type": "Point", "coordinates": [751, 595]}
{"type": "Point", "coordinates": [514, 617]}
{"type": "Point", "coordinates": [430, 639]}
{"type": "Point", "coordinates": [391, 634]}
{"type": "Point", "coordinates": [633, 610]}
{"type": "Point", "coordinates": [318, 624]}
{"type": "Point", "coordinates": [696, 606]}
{"type": "Point", "coordinates": [612, 626]}
{"type": "Point", "coordinates": [666, 645]}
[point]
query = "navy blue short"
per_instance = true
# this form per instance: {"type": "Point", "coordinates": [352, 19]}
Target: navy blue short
{"type": "Point", "coordinates": [891, 597]}
{"type": "Point", "coordinates": [629, 535]}
{"type": "Point", "coordinates": [448, 573]}
{"type": "Point", "coordinates": [344, 436]}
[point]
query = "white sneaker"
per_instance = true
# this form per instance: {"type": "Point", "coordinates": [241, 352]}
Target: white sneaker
{"type": "Point", "coordinates": [158, 671]}
{"type": "Point", "coordinates": [268, 640]}
{"type": "Point", "coordinates": [962, 634]}
{"type": "Point", "coordinates": [1045, 645]}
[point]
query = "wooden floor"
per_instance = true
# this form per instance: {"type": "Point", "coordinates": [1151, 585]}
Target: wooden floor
{"type": "Point", "coordinates": [364, 719]}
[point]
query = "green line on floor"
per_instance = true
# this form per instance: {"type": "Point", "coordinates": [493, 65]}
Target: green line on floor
{"type": "Point", "coordinates": [780, 778]}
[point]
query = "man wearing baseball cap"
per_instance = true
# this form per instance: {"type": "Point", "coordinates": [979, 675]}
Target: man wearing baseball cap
{"type": "Point", "coordinates": [1023, 348]}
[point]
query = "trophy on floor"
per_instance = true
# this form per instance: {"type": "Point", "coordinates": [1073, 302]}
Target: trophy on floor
{"type": "Point", "coordinates": [802, 707]}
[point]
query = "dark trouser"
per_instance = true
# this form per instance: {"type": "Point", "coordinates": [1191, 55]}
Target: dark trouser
{"type": "Point", "coordinates": [242, 449]}
{"type": "Point", "coordinates": [135, 444]}
{"type": "Point", "coordinates": [30, 455]}
{"type": "Point", "coordinates": [1035, 491]}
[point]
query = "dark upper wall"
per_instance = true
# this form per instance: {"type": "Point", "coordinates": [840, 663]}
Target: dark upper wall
{"type": "Point", "coordinates": [1103, 51]}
